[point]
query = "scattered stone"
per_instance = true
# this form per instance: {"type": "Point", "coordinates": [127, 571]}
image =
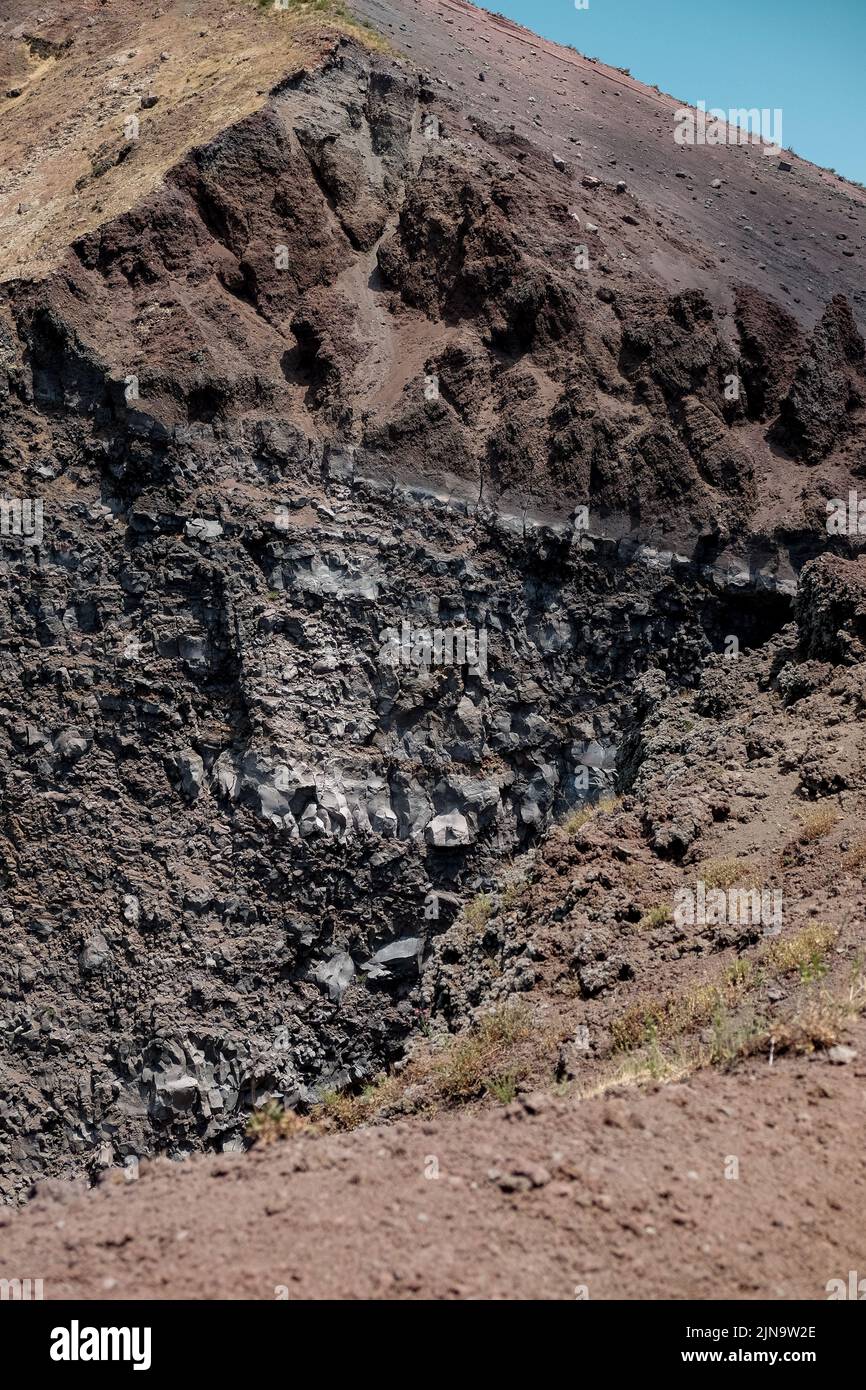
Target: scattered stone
{"type": "Point", "coordinates": [71, 745]}
{"type": "Point", "coordinates": [399, 958]}
{"type": "Point", "coordinates": [201, 528]}
{"type": "Point", "coordinates": [448, 831]}
{"type": "Point", "coordinates": [95, 954]}
{"type": "Point", "coordinates": [190, 767]}
{"type": "Point", "coordinates": [335, 974]}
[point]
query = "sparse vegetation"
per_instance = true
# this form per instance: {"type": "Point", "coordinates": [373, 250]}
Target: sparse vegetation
{"type": "Point", "coordinates": [271, 1122]}
{"type": "Point", "coordinates": [345, 1109]}
{"type": "Point", "coordinates": [512, 895]}
{"type": "Point", "coordinates": [855, 859]}
{"type": "Point", "coordinates": [575, 819]}
{"type": "Point", "coordinates": [657, 916]}
{"type": "Point", "coordinates": [732, 1036]}
{"type": "Point", "coordinates": [725, 873]}
{"type": "Point", "coordinates": [332, 10]}
{"type": "Point", "coordinates": [503, 1088]}
{"type": "Point", "coordinates": [695, 1008]}
{"type": "Point", "coordinates": [651, 1066]}
{"type": "Point", "coordinates": [477, 912]}
{"type": "Point", "coordinates": [492, 1059]}
{"type": "Point", "coordinates": [817, 1021]}
{"type": "Point", "coordinates": [805, 953]}
{"type": "Point", "coordinates": [578, 818]}
{"type": "Point", "coordinates": [818, 823]}
{"type": "Point", "coordinates": [662, 1019]}
{"type": "Point", "coordinates": [473, 1063]}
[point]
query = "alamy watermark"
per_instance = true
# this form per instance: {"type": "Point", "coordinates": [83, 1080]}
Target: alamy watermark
{"type": "Point", "coordinates": [855, 1289]}
{"type": "Point", "coordinates": [846, 518]}
{"type": "Point", "coordinates": [21, 516]}
{"type": "Point", "coordinates": [21, 1290]}
{"type": "Point", "coordinates": [77, 1343]}
{"type": "Point", "coordinates": [742, 907]}
{"type": "Point", "coordinates": [438, 646]}
{"type": "Point", "coordinates": [737, 126]}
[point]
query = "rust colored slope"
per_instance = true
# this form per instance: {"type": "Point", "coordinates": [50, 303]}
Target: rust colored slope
{"type": "Point", "coordinates": [622, 1197]}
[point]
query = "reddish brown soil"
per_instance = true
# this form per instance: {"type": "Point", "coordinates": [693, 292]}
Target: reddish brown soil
{"type": "Point", "coordinates": [71, 74]}
{"type": "Point", "coordinates": [624, 1195]}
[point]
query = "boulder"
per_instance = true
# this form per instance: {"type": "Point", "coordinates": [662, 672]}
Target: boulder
{"type": "Point", "coordinates": [191, 771]}
{"type": "Point", "coordinates": [399, 958]}
{"type": "Point", "coordinates": [71, 745]}
{"type": "Point", "coordinates": [830, 609]}
{"type": "Point", "coordinates": [200, 528]}
{"type": "Point", "coordinates": [94, 954]}
{"type": "Point", "coordinates": [335, 975]}
{"type": "Point", "coordinates": [448, 831]}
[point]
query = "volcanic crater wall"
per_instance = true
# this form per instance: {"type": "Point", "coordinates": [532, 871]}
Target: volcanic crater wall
{"type": "Point", "coordinates": [335, 376]}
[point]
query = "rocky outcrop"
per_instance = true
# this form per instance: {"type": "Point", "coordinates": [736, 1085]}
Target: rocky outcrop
{"type": "Point", "coordinates": [366, 513]}
{"type": "Point", "coordinates": [324, 246]}
{"type": "Point", "coordinates": [831, 609]}
{"type": "Point", "coordinates": [771, 345]}
{"type": "Point", "coordinates": [826, 400]}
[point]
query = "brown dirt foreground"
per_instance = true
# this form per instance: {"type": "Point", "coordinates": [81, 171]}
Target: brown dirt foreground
{"type": "Point", "coordinates": [622, 1197]}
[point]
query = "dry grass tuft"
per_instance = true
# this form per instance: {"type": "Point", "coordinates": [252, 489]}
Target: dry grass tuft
{"type": "Point", "coordinates": [660, 1019]}
{"type": "Point", "coordinates": [476, 1062]}
{"type": "Point", "coordinates": [334, 12]}
{"type": "Point", "coordinates": [513, 894]}
{"type": "Point", "coordinates": [817, 823]}
{"type": "Point", "coordinates": [503, 1050]}
{"type": "Point", "coordinates": [653, 1066]}
{"type": "Point", "coordinates": [725, 873]}
{"type": "Point", "coordinates": [819, 1021]}
{"type": "Point", "coordinates": [271, 1122]}
{"type": "Point", "coordinates": [657, 916]}
{"type": "Point", "coordinates": [805, 952]}
{"type": "Point", "coordinates": [855, 860]}
{"type": "Point", "coordinates": [477, 913]}
{"type": "Point", "coordinates": [578, 818]}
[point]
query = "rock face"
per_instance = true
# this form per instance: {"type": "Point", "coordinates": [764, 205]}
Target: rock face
{"type": "Point", "coordinates": [831, 609]}
{"type": "Point", "coordinates": [324, 289]}
{"type": "Point", "coordinates": [826, 399]}
{"type": "Point", "coordinates": [771, 347]}
{"type": "Point", "coordinates": [316, 633]}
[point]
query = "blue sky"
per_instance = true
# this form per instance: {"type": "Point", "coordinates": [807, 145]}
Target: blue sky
{"type": "Point", "coordinates": [807, 57]}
